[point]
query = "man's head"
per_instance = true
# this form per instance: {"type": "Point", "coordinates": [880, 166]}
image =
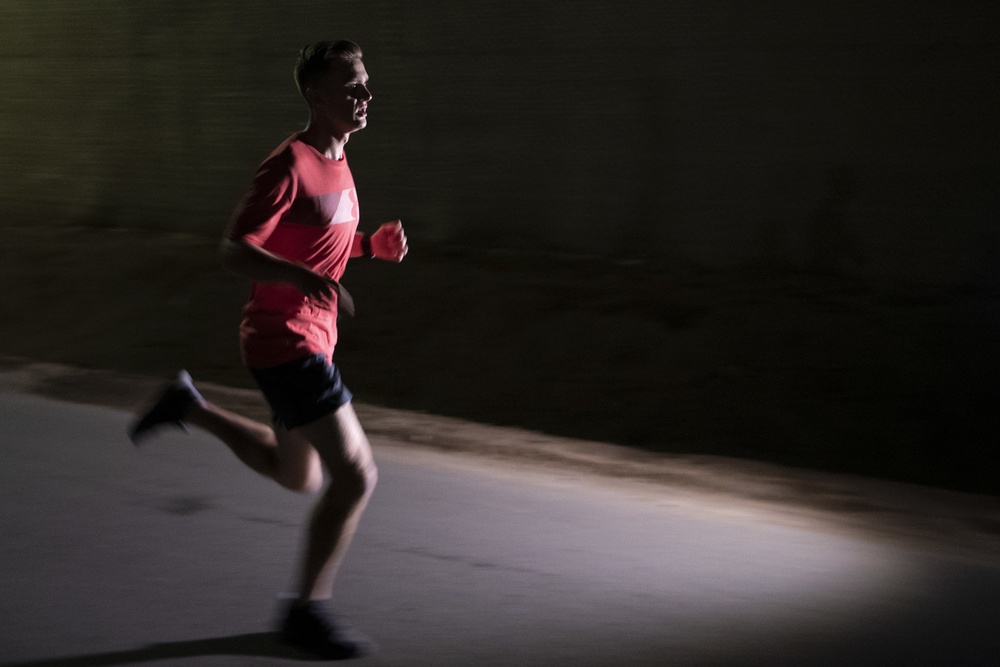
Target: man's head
{"type": "Point", "coordinates": [333, 80]}
{"type": "Point", "coordinates": [318, 58]}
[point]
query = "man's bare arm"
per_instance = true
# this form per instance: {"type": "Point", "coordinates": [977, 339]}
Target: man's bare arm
{"type": "Point", "coordinates": [262, 266]}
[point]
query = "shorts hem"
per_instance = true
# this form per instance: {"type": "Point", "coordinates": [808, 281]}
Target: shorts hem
{"type": "Point", "coordinates": [303, 390]}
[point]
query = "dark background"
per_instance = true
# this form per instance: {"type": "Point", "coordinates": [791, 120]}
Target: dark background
{"type": "Point", "coordinates": [764, 229]}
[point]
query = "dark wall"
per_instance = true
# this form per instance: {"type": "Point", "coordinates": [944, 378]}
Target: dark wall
{"type": "Point", "coordinates": [840, 136]}
{"type": "Point", "coordinates": [814, 185]}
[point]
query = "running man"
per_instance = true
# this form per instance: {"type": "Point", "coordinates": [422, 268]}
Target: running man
{"type": "Point", "coordinates": [292, 236]}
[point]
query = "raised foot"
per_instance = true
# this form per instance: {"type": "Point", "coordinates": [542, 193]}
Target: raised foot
{"type": "Point", "coordinates": [167, 410]}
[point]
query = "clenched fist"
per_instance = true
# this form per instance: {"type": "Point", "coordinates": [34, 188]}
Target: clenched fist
{"type": "Point", "coordinates": [389, 242]}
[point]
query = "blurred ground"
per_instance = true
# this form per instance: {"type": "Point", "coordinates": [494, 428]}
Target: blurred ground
{"type": "Point", "coordinates": [821, 372]}
{"type": "Point", "coordinates": [174, 554]}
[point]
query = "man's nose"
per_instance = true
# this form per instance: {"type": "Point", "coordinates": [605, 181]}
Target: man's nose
{"type": "Point", "coordinates": [366, 95]}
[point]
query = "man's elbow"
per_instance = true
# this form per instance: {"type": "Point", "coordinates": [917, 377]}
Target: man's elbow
{"type": "Point", "coordinates": [229, 253]}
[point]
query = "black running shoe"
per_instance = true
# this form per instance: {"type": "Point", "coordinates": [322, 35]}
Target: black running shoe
{"type": "Point", "coordinates": [310, 628]}
{"type": "Point", "coordinates": [168, 410]}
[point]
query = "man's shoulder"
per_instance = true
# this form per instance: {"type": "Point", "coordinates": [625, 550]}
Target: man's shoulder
{"type": "Point", "coordinates": [285, 154]}
{"type": "Point", "coordinates": [290, 160]}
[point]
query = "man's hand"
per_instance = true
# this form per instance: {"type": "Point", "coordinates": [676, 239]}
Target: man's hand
{"type": "Point", "coordinates": [260, 265]}
{"type": "Point", "coordinates": [322, 288]}
{"type": "Point", "coordinates": [389, 242]}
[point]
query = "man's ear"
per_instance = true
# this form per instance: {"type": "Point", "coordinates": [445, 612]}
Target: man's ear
{"type": "Point", "coordinates": [312, 96]}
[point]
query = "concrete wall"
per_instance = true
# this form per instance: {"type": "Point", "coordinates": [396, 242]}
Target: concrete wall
{"type": "Point", "coordinates": [854, 137]}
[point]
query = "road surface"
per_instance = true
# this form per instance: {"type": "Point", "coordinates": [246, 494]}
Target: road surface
{"type": "Point", "coordinates": [176, 555]}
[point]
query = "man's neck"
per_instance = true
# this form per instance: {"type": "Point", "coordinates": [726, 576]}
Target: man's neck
{"type": "Point", "coordinates": [328, 145]}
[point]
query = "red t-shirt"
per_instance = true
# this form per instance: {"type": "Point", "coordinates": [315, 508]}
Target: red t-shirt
{"type": "Point", "coordinates": [303, 207]}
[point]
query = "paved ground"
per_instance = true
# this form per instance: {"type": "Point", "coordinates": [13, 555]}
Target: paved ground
{"type": "Point", "coordinates": [472, 552]}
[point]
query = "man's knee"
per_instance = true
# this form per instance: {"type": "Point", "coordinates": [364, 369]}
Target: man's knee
{"type": "Point", "coordinates": [308, 482]}
{"type": "Point", "coordinates": [302, 473]}
{"type": "Point", "coordinates": [365, 479]}
{"type": "Point", "coordinates": [354, 482]}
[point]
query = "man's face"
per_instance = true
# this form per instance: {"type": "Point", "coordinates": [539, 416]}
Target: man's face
{"type": "Point", "coordinates": [339, 98]}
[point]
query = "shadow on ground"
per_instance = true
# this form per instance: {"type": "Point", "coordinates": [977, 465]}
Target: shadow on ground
{"type": "Point", "coordinates": [259, 645]}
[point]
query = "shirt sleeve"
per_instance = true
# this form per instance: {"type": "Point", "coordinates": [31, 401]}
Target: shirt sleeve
{"type": "Point", "coordinates": [269, 197]}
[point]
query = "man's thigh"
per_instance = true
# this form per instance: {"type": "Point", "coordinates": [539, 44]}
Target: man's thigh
{"type": "Point", "coordinates": [298, 461]}
{"type": "Point", "coordinates": [340, 440]}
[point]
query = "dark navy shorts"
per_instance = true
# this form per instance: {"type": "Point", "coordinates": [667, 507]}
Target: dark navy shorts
{"type": "Point", "coordinates": [302, 391]}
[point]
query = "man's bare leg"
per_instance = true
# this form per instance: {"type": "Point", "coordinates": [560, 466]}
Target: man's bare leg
{"type": "Point", "coordinates": [291, 462]}
{"type": "Point", "coordinates": [292, 458]}
{"type": "Point", "coordinates": [346, 453]}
